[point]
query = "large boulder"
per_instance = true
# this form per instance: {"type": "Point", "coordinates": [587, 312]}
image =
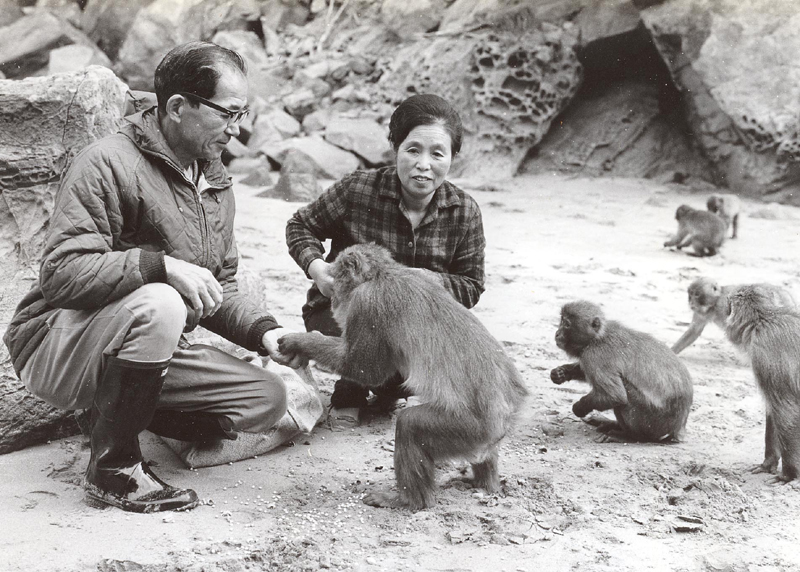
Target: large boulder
{"type": "Point", "coordinates": [9, 12]}
{"type": "Point", "coordinates": [165, 24]}
{"type": "Point", "coordinates": [734, 62]}
{"type": "Point", "coordinates": [43, 121]}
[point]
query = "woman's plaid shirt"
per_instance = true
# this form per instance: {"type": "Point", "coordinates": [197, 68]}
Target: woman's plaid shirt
{"type": "Point", "coordinates": [365, 206]}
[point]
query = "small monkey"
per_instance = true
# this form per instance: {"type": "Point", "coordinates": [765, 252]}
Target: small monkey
{"type": "Point", "coordinates": [770, 335]}
{"type": "Point", "coordinates": [727, 207]}
{"type": "Point", "coordinates": [703, 230]}
{"type": "Point", "coordinates": [709, 303]}
{"type": "Point", "coordinates": [647, 386]}
{"type": "Point", "coordinates": [393, 319]}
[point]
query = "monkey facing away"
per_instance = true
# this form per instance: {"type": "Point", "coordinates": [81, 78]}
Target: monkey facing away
{"type": "Point", "coordinates": [631, 372]}
{"type": "Point", "coordinates": [770, 335]}
{"type": "Point", "coordinates": [395, 319]}
{"type": "Point", "coordinates": [704, 230]}
{"type": "Point", "coordinates": [709, 303]}
{"type": "Point", "coordinates": [726, 207]}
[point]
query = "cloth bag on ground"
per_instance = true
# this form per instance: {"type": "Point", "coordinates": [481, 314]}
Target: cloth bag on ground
{"type": "Point", "coordinates": [304, 410]}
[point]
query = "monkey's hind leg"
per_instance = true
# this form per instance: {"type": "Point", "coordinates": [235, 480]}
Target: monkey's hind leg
{"type": "Point", "coordinates": [422, 436]}
{"type": "Point", "coordinates": [772, 452]}
{"type": "Point", "coordinates": [486, 475]}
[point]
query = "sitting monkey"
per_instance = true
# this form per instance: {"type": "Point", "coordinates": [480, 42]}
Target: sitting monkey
{"type": "Point", "coordinates": [703, 230]}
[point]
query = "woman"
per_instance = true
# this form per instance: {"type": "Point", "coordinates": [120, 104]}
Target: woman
{"type": "Point", "coordinates": [426, 222]}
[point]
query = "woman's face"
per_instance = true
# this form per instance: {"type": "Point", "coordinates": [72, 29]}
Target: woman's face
{"type": "Point", "coordinates": [423, 160]}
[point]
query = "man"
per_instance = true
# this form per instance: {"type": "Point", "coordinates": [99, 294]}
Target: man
{"type": "Point", "coordinates": [140, 249]}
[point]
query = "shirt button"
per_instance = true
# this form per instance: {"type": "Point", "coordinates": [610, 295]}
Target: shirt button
{"type": "Point", "coordinates": [410, 244]}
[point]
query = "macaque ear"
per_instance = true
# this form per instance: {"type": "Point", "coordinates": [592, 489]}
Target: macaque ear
{"type": "Point", "coordinates": [597, 324]}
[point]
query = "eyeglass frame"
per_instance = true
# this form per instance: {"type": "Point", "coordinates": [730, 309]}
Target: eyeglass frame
{"type": "Point", "coordinates": [235, 116]}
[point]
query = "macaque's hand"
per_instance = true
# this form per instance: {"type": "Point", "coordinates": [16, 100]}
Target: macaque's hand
{"type": "Point", "coordinates": [270, 341]}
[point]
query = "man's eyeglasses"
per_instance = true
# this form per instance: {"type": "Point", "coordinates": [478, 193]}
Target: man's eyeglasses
{"type": "Point", "coordinates": [234, 117]}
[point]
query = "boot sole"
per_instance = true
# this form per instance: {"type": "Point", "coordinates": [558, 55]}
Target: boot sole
{"type": "Point", "coordinates": [96, 498]}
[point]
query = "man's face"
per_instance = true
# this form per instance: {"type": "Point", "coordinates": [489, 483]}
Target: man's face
{"type": "Point", "coordinates": [204, 132]}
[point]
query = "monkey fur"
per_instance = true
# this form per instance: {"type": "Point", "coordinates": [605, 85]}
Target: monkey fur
{"type": "Point", "coordinates": [770, 335]}
{"type": "Point", "coordinates": [394, 319]}
{"type": "Point", "coordinates": [631, 372]}
{"type": "Point", "coordinates": [709, 303]}
{"type": "Point", "coordinates": [703, 230]}
{"type": "Point", "coordinates": [726, 207]}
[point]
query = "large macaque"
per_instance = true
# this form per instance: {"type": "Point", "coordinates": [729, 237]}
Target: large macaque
{"type": "Point", "coordinates": [394, 319]}
{"type": "Point", "coordinates": [727, 207]}
{"type": "Point", "coordinates": [709, 303]}
{"type": "Point", "coordinates": [631, 372]}
{"type": "Point", "coordinates": [770, 335]}
{"type": "Point", "coordinates": [703, 230]}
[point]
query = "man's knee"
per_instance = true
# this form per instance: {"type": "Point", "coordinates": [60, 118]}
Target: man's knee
{"type": "Point", "coordinates": [160, 310]}
{"type": "Point", "coordinates": [268, 406]}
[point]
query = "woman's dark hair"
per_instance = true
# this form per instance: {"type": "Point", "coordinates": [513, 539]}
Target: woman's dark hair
{"type": "Point", "coordinates": [195, 68]}
{"type": "Point", "coordinates": [425, 109]}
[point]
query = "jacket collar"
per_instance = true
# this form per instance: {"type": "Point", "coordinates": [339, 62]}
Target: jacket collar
{"type": "Point", "coordinates": [142, 128]}
{"type": "Point", "coordinates": [445, 196]}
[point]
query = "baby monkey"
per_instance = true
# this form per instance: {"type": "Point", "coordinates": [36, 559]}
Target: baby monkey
{"type": "Point", "coordinates": [709, 303]}
{"type": "Point", "coordinates": [703, 230]}
{"type": "Point", "coordinates": [727, 207]}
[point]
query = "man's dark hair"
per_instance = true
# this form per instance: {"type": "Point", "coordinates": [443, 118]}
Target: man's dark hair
{"type": "Point", "coordinates": [425, 109]}
{"type": "Point", "coordinates": [195, 68]}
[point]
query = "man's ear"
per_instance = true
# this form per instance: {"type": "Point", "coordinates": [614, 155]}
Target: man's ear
{"type": "Point", "coordinates": [175, 106]}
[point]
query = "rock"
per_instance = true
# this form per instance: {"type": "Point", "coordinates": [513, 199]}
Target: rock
{"type": "Point", "coordinates": [332, 162]}
{"type": "Point", "coordinates": [25, 45]}
{"type": "Point", "coordinates": [272, 126]}
{"type": "Point", "coordinates": [351, 93]}
{"type": "Point", "coordinates": [363, 137]}
{"type": "Point", "coordinates": [235, 149]}
{"type": "Point", "coordinates": [165, 24]}
{"type": "Point", "coordinates": [407, 18]}
{"type": "Point", "coordinates": [300, 102]}
{"type": "Point", "coordinates": [107, 22]}
{"type": "Point", "coordinates": [317, 120]}
{"type": "Point", "coordinates": [607, 19]}
{"type": "Point", "coordinates": [295, 187]}
{"type": "Point", "coordinates": [42, 122]}
{"type": "Point", "coordinates": [320, 70]}
{"type": "Point", "coordinates": [276, 15]}
{"type": "Point", "coordinates": [295, 161]}
{"type": "Point", "coordinates": [261, 176]}
{"type": "Point", "coordinates": [9, 12]}
{"type": "Point", "coordinates": [742, 105]}
{"type": "Point", "coordinates": [244, 165]}
{"type": "Point", "coordinates": [74, 58]}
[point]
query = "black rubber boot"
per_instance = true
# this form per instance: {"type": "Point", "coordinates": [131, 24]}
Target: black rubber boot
{"type": "Point", "coordinates": [348, 394]}
{"type": "Point", "coordinates": [192, 425]}
{"type": "Point", "coordinates": [123, 406]}
{"type": "Point", "coordinates": [386, 395]}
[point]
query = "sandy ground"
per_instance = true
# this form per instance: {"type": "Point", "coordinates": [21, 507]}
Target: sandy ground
{"type": "Point", "coordinates": [569, 503]}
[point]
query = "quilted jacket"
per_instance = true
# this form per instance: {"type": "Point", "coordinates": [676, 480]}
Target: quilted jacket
{"type": "Point", "coordinates": [123, 204]}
